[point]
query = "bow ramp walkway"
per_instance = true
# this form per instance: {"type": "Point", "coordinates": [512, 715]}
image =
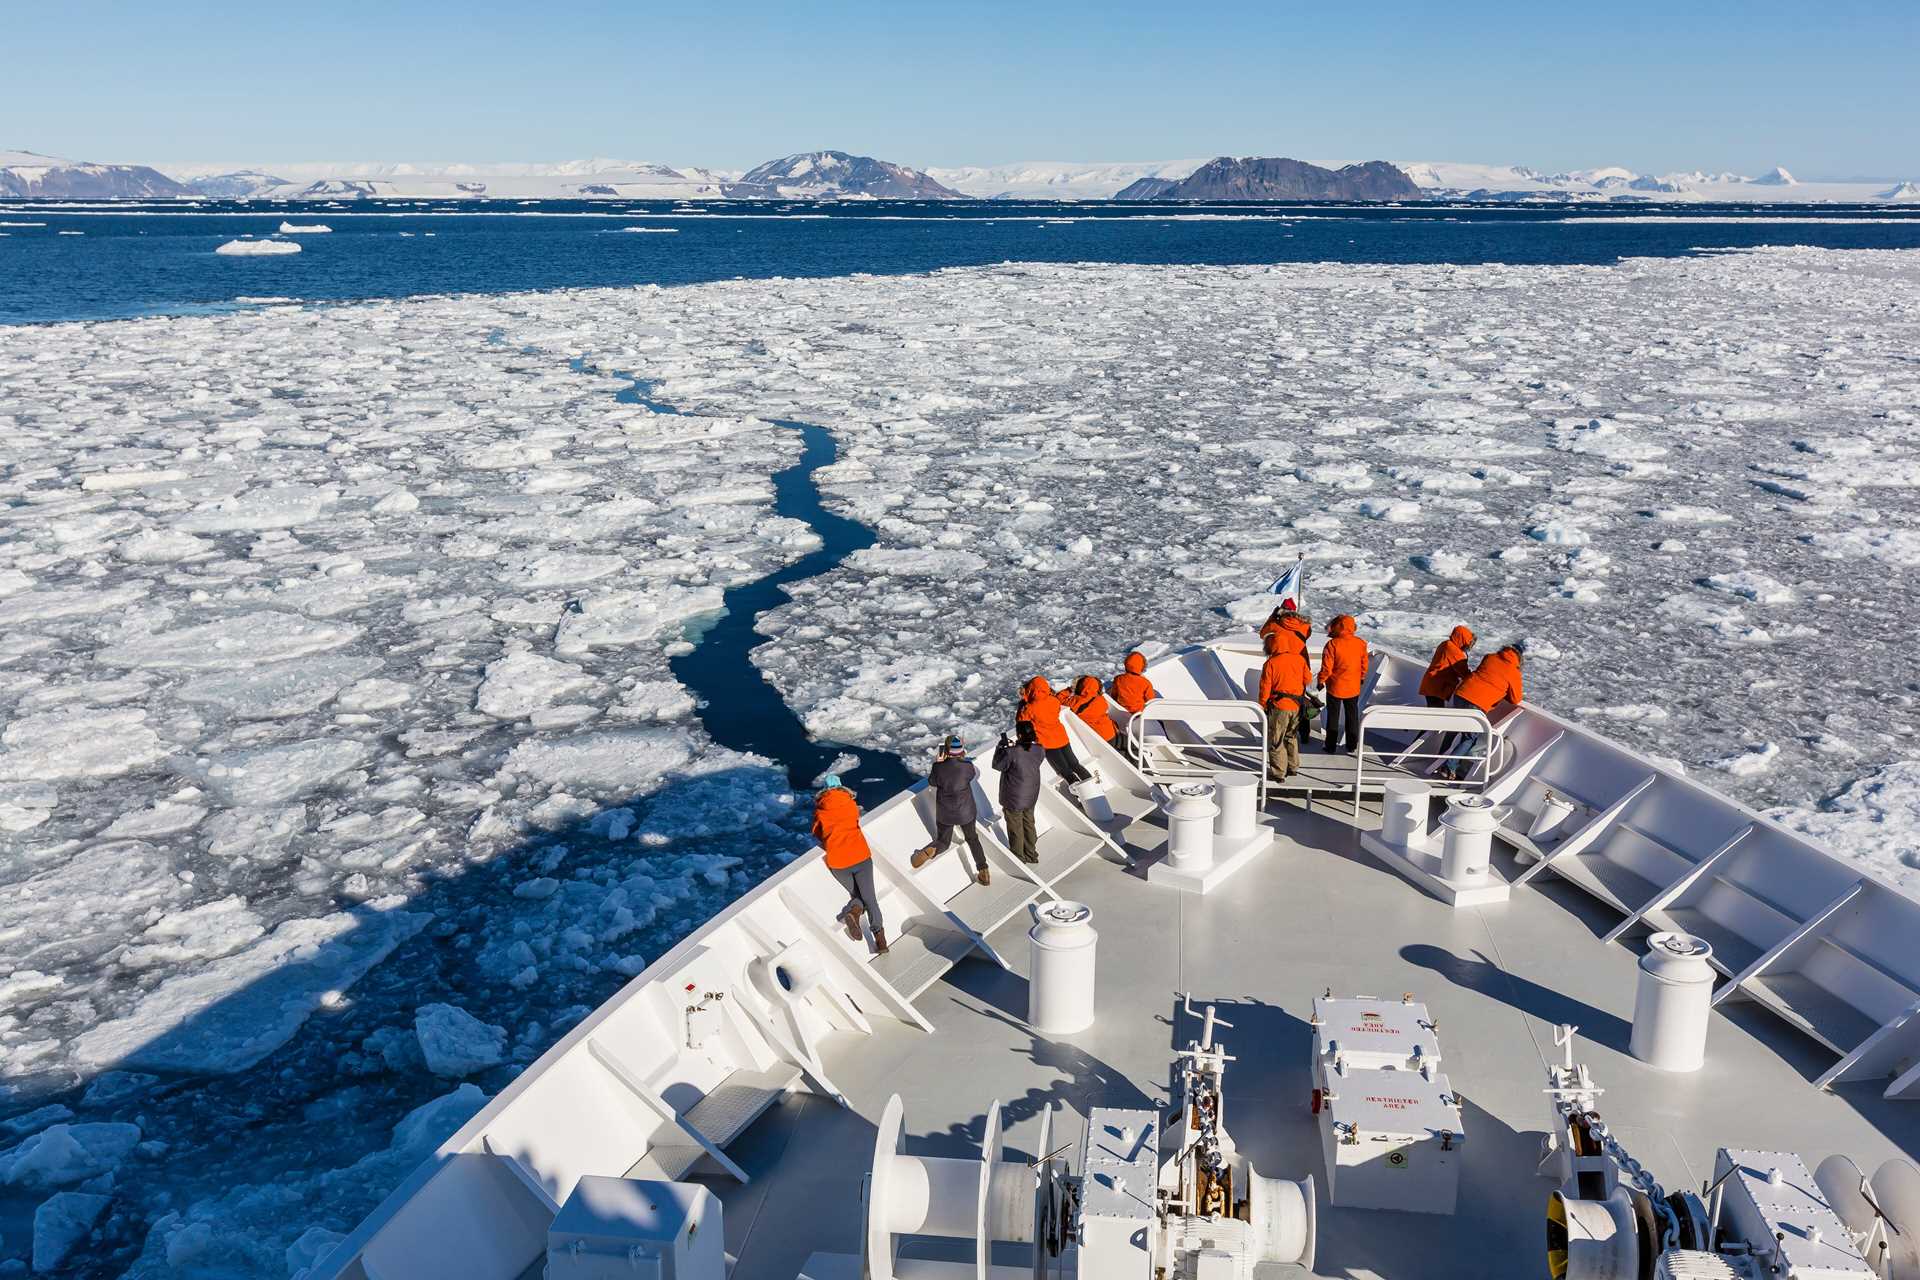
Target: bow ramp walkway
{"type": "Point", "coordinates": [1312, 913]}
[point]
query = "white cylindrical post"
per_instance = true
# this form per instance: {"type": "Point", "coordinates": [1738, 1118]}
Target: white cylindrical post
{"type": "Point", "coordinates": [1403, 817]}
{"type": "Point", "coordinates": [1238, 794]}
{"type": "Point", "coordinates": [1060, 990]}
{"type": "Point", "coordinates": [1672, 1003]}
{"type": "Point", "coordinates": [1468, 853]}
{"type": "Point", "coordinates": [1190, 813]}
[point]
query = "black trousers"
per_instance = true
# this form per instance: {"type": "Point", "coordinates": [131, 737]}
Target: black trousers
{"type": "Point", "coordinates": [943, 836]}
{"type": "Point", "coordinates": [1067, 764]}
{"type": "Point", "coordinates": [1347, 710]}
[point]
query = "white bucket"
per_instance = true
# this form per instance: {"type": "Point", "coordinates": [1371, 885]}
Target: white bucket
{"type": "Point", "coordinates": [1554, 811]}
{"type": "Point", "coordinates": [1093, 801]}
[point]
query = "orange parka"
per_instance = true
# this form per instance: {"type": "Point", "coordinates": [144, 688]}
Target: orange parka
{"type": "Point", "coordinates": [1449, 666]}
{"type": "Point", "coordinates": [1089, 702]}
{"type": "Point", "coordinates": [1343, 659]}
{"type": "Point", "coordinates": [1496, 679]}
{"type": "Point", "coordinates": [1040, 707]}
{"type": "Point", "coordinates": [1284, 677]}
{"type": "Point", "coordinates": [1131, 688]}
{"type": "Point", "coordinates": [836, 825]}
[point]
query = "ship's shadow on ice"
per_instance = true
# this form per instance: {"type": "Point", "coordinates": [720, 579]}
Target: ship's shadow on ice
{"type": "Point", "coordinates": [314, 1100]}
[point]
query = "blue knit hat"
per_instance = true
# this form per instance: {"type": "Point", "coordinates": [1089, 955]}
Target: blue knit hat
{"type": "Point", "coordinates": [831, 781]}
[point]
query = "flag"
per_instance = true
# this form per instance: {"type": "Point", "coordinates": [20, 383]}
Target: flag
{"type": "Point", "coordinates": [1292, 586]}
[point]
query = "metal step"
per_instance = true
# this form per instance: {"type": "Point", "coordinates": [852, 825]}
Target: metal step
{"type": "Point", "coordinates": [738, 1101]}
{"type": "Point", "coordinates": [920, 957]}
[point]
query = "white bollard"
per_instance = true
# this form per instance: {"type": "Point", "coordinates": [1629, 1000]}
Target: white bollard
{"type": "Point", "coordinates": [1672, 1003]}
{"type": "Point", "coordinates": [1403, 816]}
{"type": "Point", "coordinates": [1060, 992]}
{"type": "Point", "coordinates": [1190, 813]}
{"type": "Point", "coordinates": [1238, 794]}
{"type": "Point", "coordinates": [1470, 822]}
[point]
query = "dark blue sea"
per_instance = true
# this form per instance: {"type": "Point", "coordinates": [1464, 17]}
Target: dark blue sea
{"type": "Point", "coordinates": [147, 258]}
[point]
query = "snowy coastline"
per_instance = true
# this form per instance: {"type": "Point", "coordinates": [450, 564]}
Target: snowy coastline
{"type": "Point", "coordinates": [335, 651]}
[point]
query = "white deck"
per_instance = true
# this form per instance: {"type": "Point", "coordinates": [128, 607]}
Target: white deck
{"type": "Point", "coordinates": [1812, 1047]}
{"type": "Point", "coordinates": [1316, 914]}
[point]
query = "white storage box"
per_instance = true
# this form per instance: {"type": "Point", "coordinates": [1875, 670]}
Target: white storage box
{"type": "Point", "coordinates": [1366, 1031]}
{"type": "Point", "coordinates": [1771, 1197]}
{"type": "Point", "coordinates": [1392, 1139]}
{"type": "Point", "coordinates": [1120, 1168]}
{"type": "Point", "coordinates": [627, 1229]}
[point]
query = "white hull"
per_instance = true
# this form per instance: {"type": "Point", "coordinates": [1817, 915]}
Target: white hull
{"type": "Point", "coordinates": [1803, 935]}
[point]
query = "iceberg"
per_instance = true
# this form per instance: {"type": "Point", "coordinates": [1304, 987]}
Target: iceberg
{"type": "Point", "coordinates": [256, 248]}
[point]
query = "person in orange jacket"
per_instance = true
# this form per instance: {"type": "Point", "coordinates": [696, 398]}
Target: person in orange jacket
{"type": "Point", "coordinates": [1448, 668]}
{"type": "Point", "coordinates": [1444, 674]}
{"type": "Point", "coordinates": [1283, 688]}
{"type": "Point", "coordinates": [1496, 680]}
{"type": "Point", "coordinates": [1040, 706]}
{"type": "Point", "coordinates": [1089, 701]}
{"type": "Point", "coordinates": [1301, 625]}
{"type": "Point", "coordinates": [836, 825]}
{"type": "Point", "coordinates": [1343, 673]}
{"type": "Point", "coordinates": [1132, 690]}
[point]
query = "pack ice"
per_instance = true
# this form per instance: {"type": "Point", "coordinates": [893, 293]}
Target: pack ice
{"type": "Point", "coordinates": [334, 703]}
{"type": "Point", "coordinates": [334, 659]}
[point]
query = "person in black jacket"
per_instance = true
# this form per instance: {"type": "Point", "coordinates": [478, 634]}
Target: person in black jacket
{"type": "Point", "coordinates": [952, 778]}
{"type": "Point", "coordinates": [1018, 762]}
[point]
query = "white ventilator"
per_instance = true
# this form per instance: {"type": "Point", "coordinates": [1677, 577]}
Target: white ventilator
{"type": "Point", "coordinates": [1238, 795]}
{"type": "Point", "coordinates": [1403, 815]}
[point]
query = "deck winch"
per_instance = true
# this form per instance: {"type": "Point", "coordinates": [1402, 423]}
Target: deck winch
{"type": "Point", "coordinates": [1165, 1197]}
{"type": "Point", "coordinates": [1762, 1216]}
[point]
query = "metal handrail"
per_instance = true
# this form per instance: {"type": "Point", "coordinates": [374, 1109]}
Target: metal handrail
{"type": "Point", "coordinates": [1425, 720]}
{"type": "Point", "coordinates": [1224, 754]}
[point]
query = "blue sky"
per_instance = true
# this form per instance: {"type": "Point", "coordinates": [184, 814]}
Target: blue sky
{"type": "Point", "coordinates": [1825, 87]}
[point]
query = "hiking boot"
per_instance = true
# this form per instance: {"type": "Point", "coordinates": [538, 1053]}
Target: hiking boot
{"type": "Point", "coordinates": [850, 921]}
{"type": "Point", "coordinates": [922, 856]}
{"type": "Point", "coordinates": [880, 942]}
{"type": "Point", "coordinates": [983, 875]}
{"type": "Point", "coordinates": [1031, 859]}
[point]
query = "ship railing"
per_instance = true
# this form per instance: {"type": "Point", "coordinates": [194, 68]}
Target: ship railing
{"type": "Point", "coordinates": [1439, 734]}
{"type": "Point", "coordinates": [1200, 738]}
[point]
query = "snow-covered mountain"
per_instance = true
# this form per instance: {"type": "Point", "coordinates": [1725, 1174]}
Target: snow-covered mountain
{"type": "Point", "coordinates": [574, 179]}
{"type": "Point", "coordinates": [1902, 191]}
{"type": "Point", "coordinates": [836, 175]}
{"type": "Point", "coordinates": [29, 174]}
{"type": "Point", "coordinates": [1449, 180]}
{"type": "Point", "coordinates": [1055, 179]}
{"type": "Point", "coordinates": [236, 185]}
{"type": "Point", "coordinates": [1277, 178]}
